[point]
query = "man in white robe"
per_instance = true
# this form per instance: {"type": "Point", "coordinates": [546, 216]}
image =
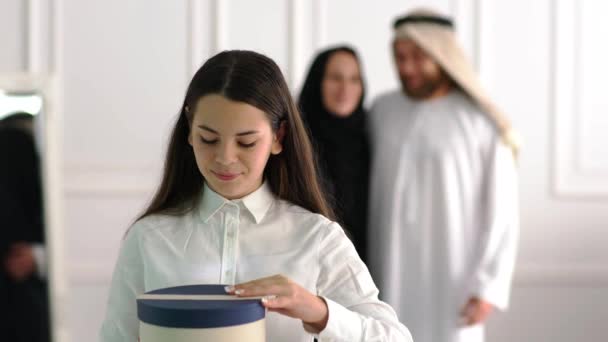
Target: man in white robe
{"type": "Point", "coordinates": [444, 202]}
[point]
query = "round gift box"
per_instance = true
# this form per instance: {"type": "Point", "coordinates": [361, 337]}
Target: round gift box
{"type": "Point", "coordinates": [199, 313]}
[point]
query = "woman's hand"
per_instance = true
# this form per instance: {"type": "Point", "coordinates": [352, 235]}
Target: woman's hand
{"type": "Point", "coordinates": [20, 263]}
{"type": "Point", "coordinates": [282, 295]}
{"type": "Point", "coordinates": [475, 311]}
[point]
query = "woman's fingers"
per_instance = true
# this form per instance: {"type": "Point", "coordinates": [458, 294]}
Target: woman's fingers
{"type": "Point", "coordinates": [282, 295]}
{"type": "Point", "coordinates": [275, 302]}
{"type": "Point", "coordinates": [277, 278]}
{"type": "Point", "coordinates": [276, 285]}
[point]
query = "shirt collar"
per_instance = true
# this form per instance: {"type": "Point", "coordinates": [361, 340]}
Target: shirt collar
{"type": "Point", "coordinates": [257, 202]}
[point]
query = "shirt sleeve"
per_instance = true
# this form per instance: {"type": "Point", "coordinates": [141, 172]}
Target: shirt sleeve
{"type": "Point", "coordinates": [121, 323]}
{"type": "Point", "coordinates": [355, 312]}
{"type": "Point", "coordinates": [494, 273]}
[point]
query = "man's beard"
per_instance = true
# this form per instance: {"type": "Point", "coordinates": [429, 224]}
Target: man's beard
{"type": "Point", "coordinates": [428, 87]}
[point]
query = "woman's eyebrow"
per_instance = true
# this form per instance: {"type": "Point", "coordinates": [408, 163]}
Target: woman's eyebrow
{"type": "Point", "coordinates": [206, 128]}
{"type": "Point", "coordinates": [203, 127]}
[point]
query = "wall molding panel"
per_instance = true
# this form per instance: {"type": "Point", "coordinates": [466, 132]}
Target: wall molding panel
{"type": "Point", "coordinates": [113, 180]}
{"type": "Point", "coordinates": [207, 31]}
{"type": "Point", "coordinates": [468, 19]}
{"type": "Point", "coordinates": [569, 177]}
{"type": "Point", "coordinates": [39, 36]}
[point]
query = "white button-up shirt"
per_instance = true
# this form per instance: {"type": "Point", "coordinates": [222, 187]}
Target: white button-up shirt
{"type": "Point", "coordinates": [230, 242]}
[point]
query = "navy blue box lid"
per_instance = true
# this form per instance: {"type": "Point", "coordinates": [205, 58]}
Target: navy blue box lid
{"type": "Point", "coordinates": [188, 313]}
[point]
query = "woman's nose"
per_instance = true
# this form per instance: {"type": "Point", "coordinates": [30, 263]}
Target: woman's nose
{"type": "Point", "coordinates": [226, 154]}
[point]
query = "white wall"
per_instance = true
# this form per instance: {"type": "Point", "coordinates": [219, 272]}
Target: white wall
{"type": "Point", "coordinates": [538, 49]}
{"type": "Point", "coordinates": [124, 67]}
{"type": "Point", "coordinates": [12, 35]}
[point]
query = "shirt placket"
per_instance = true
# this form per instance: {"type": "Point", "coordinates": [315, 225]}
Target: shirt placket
{"type": "Point", "coordinates": [229, 253]}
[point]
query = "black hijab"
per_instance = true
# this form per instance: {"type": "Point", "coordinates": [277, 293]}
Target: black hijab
{"type": "Point", "coordinates": [342, 148]}
{"type": "Point", "coordinates": [323, 124]}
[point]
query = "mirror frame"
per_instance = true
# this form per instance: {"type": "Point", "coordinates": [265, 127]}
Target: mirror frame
{"type": "Point", "coordinates": [53, 195]}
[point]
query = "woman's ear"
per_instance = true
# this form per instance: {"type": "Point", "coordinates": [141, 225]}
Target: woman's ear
{"type": "Point", "coordinates": [277, 144]}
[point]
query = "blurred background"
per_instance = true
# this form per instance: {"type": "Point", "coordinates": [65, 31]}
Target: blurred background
{"type": "Point", "coordinates": [109, 77]}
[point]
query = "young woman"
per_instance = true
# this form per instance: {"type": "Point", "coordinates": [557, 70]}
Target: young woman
{"type": "Point", "coordinates": [240, 204]}
{"type": "Point", "coordinates": [332, 104]}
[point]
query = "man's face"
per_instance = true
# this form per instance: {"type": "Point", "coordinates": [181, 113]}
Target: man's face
{"type": "Point", "coordinates": [421, 77]}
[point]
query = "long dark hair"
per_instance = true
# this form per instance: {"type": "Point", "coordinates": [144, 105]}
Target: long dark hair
{"type": "Point", "coordinates": [255, 79]}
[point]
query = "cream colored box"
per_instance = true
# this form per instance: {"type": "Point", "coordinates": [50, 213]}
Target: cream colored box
{"type": "Point", "coordinates": [197, 313]}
